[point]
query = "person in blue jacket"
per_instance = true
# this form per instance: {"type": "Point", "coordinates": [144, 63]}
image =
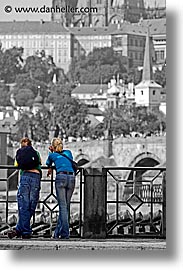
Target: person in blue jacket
{"type": "Point", "coordinates": [64, 184]}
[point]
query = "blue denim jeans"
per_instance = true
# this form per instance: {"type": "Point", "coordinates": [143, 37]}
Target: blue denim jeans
{"type": "Point", "coordinates": [64, 185]}
{"type": "Point", "coordinates": [27, 198]}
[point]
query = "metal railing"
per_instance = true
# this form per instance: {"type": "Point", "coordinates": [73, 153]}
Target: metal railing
{"type": "Point", "coordinates": [136, 205]}
{"type": "Point", "coordinates": [135, 202]}
{"type": "Point", "coordinates": [45, 219]}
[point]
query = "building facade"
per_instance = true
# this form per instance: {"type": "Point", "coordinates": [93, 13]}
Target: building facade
{"type": "Point", "coordinates": [91, 94]}
{"type": "Point", "coordinates": [51, 37]}
{"type": "Point", "coordinates": [110, 96]}
{"type": "Point", "coordinates": [157, 29]}
{"type": "Point", "coordinates": [129, 41]}
{"type": "Point", "coordinates": [64, 44]}
{"type": "Point", "coordinates": [85, 39]}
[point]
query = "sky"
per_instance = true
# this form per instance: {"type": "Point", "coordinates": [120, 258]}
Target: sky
{"type": "Point", "coordinates": [4, 16]}
{"type": "Point", "coordinates": [24, 16]}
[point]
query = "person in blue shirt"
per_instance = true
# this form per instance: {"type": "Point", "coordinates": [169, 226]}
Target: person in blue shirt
{"type": "Point", "coordinates": [64, 184]}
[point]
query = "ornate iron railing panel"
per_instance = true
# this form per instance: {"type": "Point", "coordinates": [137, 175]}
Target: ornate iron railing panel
{"type": "Point", "coordinates": [45, 219]}
{"type": "Point", "coordinates": [135, 201]}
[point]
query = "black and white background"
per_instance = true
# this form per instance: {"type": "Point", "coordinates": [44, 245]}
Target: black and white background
{"type": "Point", "coordinates": [169, 261]}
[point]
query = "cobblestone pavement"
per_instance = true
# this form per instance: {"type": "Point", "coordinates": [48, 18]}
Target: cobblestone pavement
{"type": "Point", "coordinates": [83, 244]}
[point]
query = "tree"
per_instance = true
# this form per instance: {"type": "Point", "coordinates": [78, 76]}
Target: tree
{"type": "Point", "coordinates": [29, 86]}
{"type": "Point", "coordinates": [40, 67]}
{"type": "Point", "coordinates": [11, 64]}
{"type": "Point", "coordinates": [24, 97]}
{"type": "Point", "coordinates": [160, 76]}
{"type": "Point", "coordinates": [34, 126]}
{"type": "Point", "coordinates": [69, 113]}
{"type": "Point", "coordinates": [23, 126]}
{"type": "Point", "coordinates": [99, 66]}
{"type": "Point", "coordinates": [134, 75]}
{"type": "Point", "coordinates": [4, 95]}
{"type": "Point", "coordinates": [160, 122]}
{"type": "Point", "coordinates": [57, 91]}
{"type": "Point", "coordinates": [95, 132]}
{"type": "Point", "coordinates": [119, 121]}
{"type": "Point", "coordinates": [40, 125]}
{"type": "Point", "coordinates": [134, 119]}
{"type": "Point", "coordinates": [37, 74]}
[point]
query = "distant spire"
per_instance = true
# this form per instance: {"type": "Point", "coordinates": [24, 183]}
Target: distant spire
{"type": "Point", "coordinates": [147, 66]}
{"type": "Point", "coordinates": [54, 80]}
{"type": "Point", "coordinates": [118, 79]}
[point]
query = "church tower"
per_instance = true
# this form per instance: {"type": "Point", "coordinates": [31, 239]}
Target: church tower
{"type": "Point", "coordinates": [148, 92]}
{"type": "Point", "coordinates": [108, 12]}
{"type": "Point", "coordinates": [65, 18]}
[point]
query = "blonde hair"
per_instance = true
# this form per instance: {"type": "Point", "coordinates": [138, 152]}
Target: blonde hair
{"type": "Point", "coordinates": [57, 144]}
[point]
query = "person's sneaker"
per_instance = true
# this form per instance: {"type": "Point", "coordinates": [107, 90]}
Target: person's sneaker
{"type": "Point", "coordinates": [54, 236]}
{"type": "Point", "coordinates": [26, 236]}
{"type": "Point", "coordinates": [65, 238]}
{"type": "Point", "coordinates": [13, 233]}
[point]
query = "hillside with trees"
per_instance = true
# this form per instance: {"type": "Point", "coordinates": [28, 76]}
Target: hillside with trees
{"type": "Point", "coordinates": [98, 66]}
{"type": "Point", "coordinates": [35, 74]}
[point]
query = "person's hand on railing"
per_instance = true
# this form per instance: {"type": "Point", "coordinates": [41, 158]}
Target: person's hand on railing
{"type": "Point", "coordinates": [50, 148]}
{"type": "Point", "coordinates": [50, 171]}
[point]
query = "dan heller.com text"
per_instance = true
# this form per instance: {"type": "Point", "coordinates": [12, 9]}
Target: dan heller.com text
{"type": "Point", "coordinates": [56, 9]}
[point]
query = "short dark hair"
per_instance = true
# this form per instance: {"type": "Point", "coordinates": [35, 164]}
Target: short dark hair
{"type": "Point", "coordinates": [26, 139]}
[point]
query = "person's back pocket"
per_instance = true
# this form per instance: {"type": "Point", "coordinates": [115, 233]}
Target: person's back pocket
{"type": "Point", "coordinates": [61, 180]}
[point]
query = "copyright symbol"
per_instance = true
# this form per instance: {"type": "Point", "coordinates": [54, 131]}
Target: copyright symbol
{"type": "Point", "coordinates": [8, 9]}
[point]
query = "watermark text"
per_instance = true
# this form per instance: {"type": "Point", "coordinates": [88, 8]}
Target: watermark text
{"type": "Point", "coordinates": [46, 9]}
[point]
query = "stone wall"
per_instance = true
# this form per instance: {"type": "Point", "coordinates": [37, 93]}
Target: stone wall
{"type": "Point", "coordinates": [126, 151]}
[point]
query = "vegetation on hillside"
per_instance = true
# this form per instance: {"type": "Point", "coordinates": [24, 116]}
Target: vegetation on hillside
{"type": "Point", "coordinates": [35, 75]}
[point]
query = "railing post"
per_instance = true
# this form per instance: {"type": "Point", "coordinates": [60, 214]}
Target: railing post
{"type": "Point", "coordinates": [164, 204]}
{"type": "Point", "coordinates": [94, 225]}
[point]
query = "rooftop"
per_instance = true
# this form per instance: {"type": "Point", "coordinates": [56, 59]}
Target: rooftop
{"type": "Point", "coordinates": [32, 27]}
{"type": "Point", "coordinates": [148, 83]}
{"type": "Point", "coordinates": [128, 28]}
{"type": "Point", "coordinates": [156, 26]}
{"type": "Point", "coordinates": [88, 88]}
{"type": "Point", "coordinates": [93, 30]}
{"type": "Point", "coordinates": [95, 111]}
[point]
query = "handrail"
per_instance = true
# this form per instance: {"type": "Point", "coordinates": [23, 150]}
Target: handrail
{"type": "Point", "coordinates": [44, 202]}
{"type": "Point", "coordinates": [150, 194]}
{"type": "Point", "coordinates": [152, 202]}
{"type": "Point", "coordinates": [138, 168]}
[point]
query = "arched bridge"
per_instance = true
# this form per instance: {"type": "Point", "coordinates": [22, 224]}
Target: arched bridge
{"type": "Point", "coordinates": [126, 199]}
{"type": "Point", "coordinates": [125, 152]}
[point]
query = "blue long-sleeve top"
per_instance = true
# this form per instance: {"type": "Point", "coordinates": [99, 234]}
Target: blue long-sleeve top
{"type": "Point", "coordinates": [60, 162]}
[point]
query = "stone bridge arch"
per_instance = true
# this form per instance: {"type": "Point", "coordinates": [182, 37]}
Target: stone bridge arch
{"type": "Point", "coordinates": [127, 152]}
{"type": "Point", "coordinates": [144, 159]}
